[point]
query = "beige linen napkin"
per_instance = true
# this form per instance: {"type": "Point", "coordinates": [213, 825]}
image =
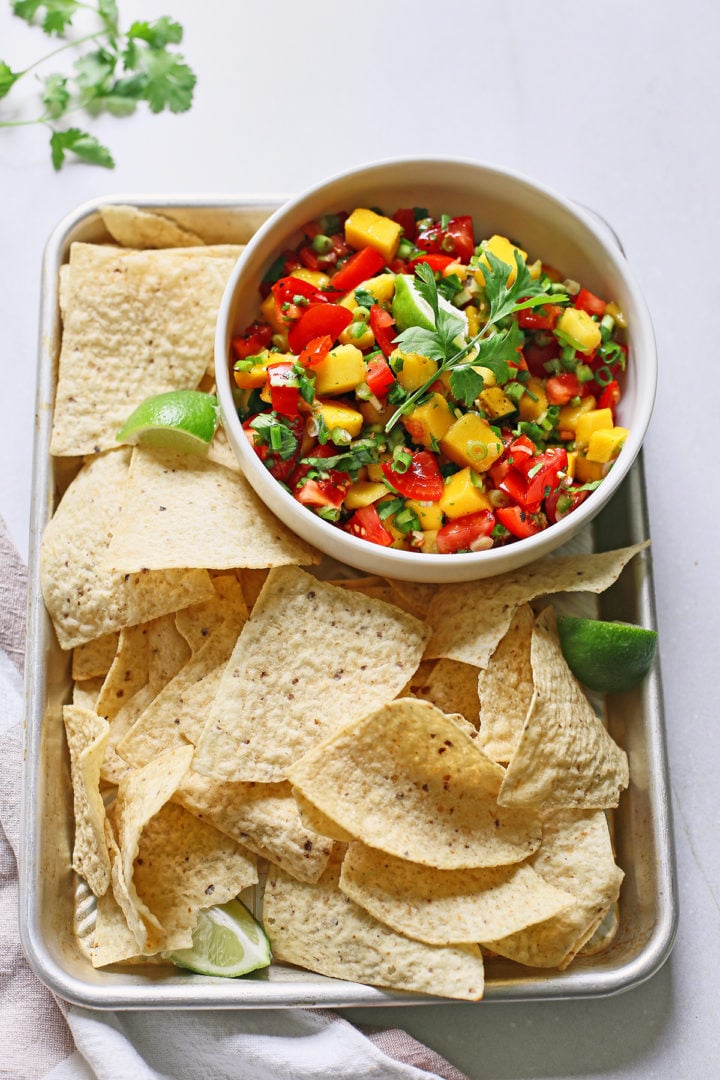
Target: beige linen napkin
{"type": "Point", "coordinates": [46, 1038]}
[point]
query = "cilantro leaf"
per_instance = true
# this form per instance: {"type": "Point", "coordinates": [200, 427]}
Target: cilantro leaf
{"type": "Point", "coordinates": [94, 71]}
{"type": "Point", "coordinates": [466, 384]}
{"type": "Point", "coordinates": [427, 286]}
{"type": "Point", "coordinates": [496, 352]}
{"type": "Point", "coordinates": [8, 78]}
{"type": "Point", "coordinates": [163, 79]}
{"type": "Point", "coordinates": [418, 340]}
{"type": "Point", "coordinates": [273, 433]}
{"type": "Point", "coordinates": [55, 96]}
{"type": "Point", "coordinates": [506, 298]}
{"type": "Point", "coordinates": [364, 452]}
{"type": "Point", "coordinates": [84, 146]}
{"type": "Point", "coordinates": [158, 34]}
{"type": "Point", "coordinates": [58, 13]}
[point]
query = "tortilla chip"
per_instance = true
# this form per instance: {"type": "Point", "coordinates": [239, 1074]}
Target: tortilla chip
{"type": "Point", "coordinates": [179, 712]}
{"type": "Point", "coordinates": [135, 228]}
{"type": "Point", "coordinates": [85, 601]}
{"type": "Point", "coordinates": [220, 450]}
{"type": "Point", "coordinates": [86, 737]}
{"type": "Point", "coordinates": [185, 511]}
{"type": "Point", "coordinates": [451, 687]}
{"type": "Point", "coordinates": [369, 585]}
{"type": "Point", "coordinates": [168, 651]}
{"type": "Point", "coordinates": [86, 692]}
{"type": "Point", "coordinates": [183, 865]}
{"type": "Point", "coordinates": [565, 757]}
{"type": "Point", "coordinates": [576, 855]}
{"type": "Point", "coordinates": [310, 658]}
{"type": "Point", "coordinates": [319, 928]}
{"type": "Point", "coordinates": [94, 657]}
{"type": "Point", "coordinates": [137, 323]}
{"type": "Point", "coordinates": [408, 781]}
{"type": "Point", "coordinates": [128, 673]}
{"type": "Point", "coordinates": [448, 907]}
{"type": "Point", "coordinates": [262, 817]}
{"type": "Point", "coordinates": [470, 618]}
{"type": "Point", "coordinates": [505, 689]}
{"type": "Point", "coordinates": [111, 941]}
{"type": "Point", "coordinates": [251, 583]}
{"type": "Point", "coordinates": [195, 623]}
{"type": "Point", "coordinates": [413, 596]}
{"type": "Point", "coordinates": [114, 768]}
{"type": "Point", "coordinates": [317, 821]}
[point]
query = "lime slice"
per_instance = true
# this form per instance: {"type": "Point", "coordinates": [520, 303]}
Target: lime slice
{"type": "Point", "coordinates": [606, 656]}
{"type": "Point", "coordinates": [409, 308]}
{"type": "Point", "coordinates": [227, 941]}
{"type": "Point", "coordinates": [181, 420]}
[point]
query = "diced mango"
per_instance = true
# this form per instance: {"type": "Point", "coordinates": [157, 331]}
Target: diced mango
{"type": "Point", "coordinates": [429, 542]}
{"type": "Point", "coordinates": [431, 420]}
{"type": "Point", "coordinates": [570, 414]}
{"type": "Point", "coordinates": [488, 376]}
{"type": "Point", "coordinates": [382, 287]}
{"type": "Point", "coordinates": [341, 371]}
{"type": "Point", "coordinates": [471, 441]}
{"type": "Point", "coordinates": [473, 318]}
{"type": "Point", "coordinates": [533, 404]}
{"type": "Point", "coordinates": [415, 371]}
{"type": "Point", "coordinates": [616, 313]}
{"type": "Point", "coordinates": [375, 472]}
{"type": "Point", "coordinates": [572, 458]}
{"type": "Point", "coordinates": [257, 374]}
{"type": "Point", "coordinates": [363, 493]}
{"type": "Point", "coordinates": [496, 403]}
{"type": "Point", "coordinates": [504, 250]}
{"type": "Point", "coordinates": [580, 329]}
{"type": "Point", "coordinates": [365, 228]}
{"type": "Point", "coordinates": [270, 315]}
{"type": "Point", "coordinates": [339, 416]}
{"type": "Point", "coordinates": [429, 515]}
{"type": "Point", "coordinates": [593, 420]}
{"type": "Point", "coordinates": [376, 416]}
{"type": "Point", "coordinates": [315, 277]}
{"type": "Point", "coordinates": [587, 471]}
{"type": "Point", "coordinates": [605, 444]}
{"type": "Point", "coordinates": [357, 333]}
{"type": "Point", "coordinates": [462, 496]}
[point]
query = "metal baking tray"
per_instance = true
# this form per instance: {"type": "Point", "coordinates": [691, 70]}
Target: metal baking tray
{"type": "Point", "coordinates": [648, 900]}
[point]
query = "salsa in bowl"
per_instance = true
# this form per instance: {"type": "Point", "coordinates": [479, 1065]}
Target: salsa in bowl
{"type": "Point", "coordinates": [437, 379]}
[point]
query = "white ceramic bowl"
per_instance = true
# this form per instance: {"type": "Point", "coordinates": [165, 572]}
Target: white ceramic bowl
{"type": "Point", "coordinates": [548, 226]}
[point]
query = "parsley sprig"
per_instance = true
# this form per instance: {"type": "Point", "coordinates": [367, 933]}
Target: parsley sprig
{"type": "Point", "coordinates": [122, 69]}
{"type": "Point", "coordinates": [493, 347]}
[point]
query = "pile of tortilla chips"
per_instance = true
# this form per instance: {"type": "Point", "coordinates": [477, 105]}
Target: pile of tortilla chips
{"type": "Point", "coordinates": [415, 768]}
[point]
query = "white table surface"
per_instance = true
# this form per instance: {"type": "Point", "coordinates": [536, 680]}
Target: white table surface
{"type": "Point", "coordinates": [616, 105]}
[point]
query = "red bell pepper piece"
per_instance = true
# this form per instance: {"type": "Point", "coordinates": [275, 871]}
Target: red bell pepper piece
{"type": "Point", "coordinates": [462, 533]}
{"type": "Point", "coordinates": [406, 218]}
{"type": "Point", "coordinates": [437, 263]}
{"type": "Point", "coordinates": [537, 356]}
{"type": "Point", "coordinates": [515, 485]}
{"type": "Point", "coordinates": [379, 376]}
{"type": "Point", "coordinates": [610, 396]}
{"type": "Point", "coordinates": [422, 479]}
{"type": "Point", "coordinates": [284, 391]}
{"type": "Point", "coordinates": [457, 239]}
{"type": "Point", "coordinates": [366, 524]}
{"type": "Point", "coordinates": [561, 388]}
{"type": "Point", "coordinates": [256, 338]}
{"type": "Point", "coordinates": [330, 492]}
{"type": "Point", "coordinates": [383, 328]}
{"type": "Point", "coordinates": [315, 351]}
{"type": "Point", "coordinates": [317, 321]}
{"type": "Point", "coordinates": [359, 267]}
{"type": "Point", "coordinates": [590, 303]}
{"type": "Point", "coordinates": [539, 318]}
{"type": "Point", "coordinates": [545, 474]}
{"type": "Point", "coordinates": [287, 291]}
{"type": "Point", "coordinates": [519, 522]}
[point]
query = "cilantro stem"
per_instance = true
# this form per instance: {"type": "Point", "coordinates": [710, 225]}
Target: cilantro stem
{"type": "Point", "coordinates": [62, 48]}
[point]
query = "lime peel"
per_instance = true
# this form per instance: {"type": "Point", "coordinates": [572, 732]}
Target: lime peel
{"type": "Point", "coordinates": [608, 657]}
{"type": "Point", "coordinates": [179, 420]}
{"type": "Point", "coordinates": [227, 941]}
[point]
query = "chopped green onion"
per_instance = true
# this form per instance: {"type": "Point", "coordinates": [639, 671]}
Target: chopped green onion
{"type": "Point", "coordinates": [477, 450]}
{"type": "Point", "coordinates": [328, 513]}
{"type": "Point", "coordinates": [322, 244]}
{"type": "Point", "coordinates": [584, 373]}
{"type": "Point", "coordinates": [386, 509]}
{"type": "Point", "coordinates": [406, 249]}
{"type": "Point", "coordinates": [603, 375]}
{"type": "Point", "coordinates": [444, 221]}
{"type": "Point", "coordinates": [340, 436]}
{"type": "Point", "coordinates": [361, 313]}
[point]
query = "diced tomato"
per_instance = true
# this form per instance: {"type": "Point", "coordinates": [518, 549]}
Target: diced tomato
{"type": "Point", "coordinates": [539, 318]}
{"type": "Point", "coordinates": [456, 239]}
{"type": "Point", "coordinates": [379, 376]}
{"type": "Point", "coordinates": [546, 473]}
{"type": "Point", "coordinates": [316, 350]}
{"type": "Point", "coordinates": [384, 329]}
{"type": "Point", "coordinates": [330, 492]}
{"type": "Point", "coordinates": [561, 388]}
{"type": "Point", "coordinates": [359, 267]}
{"type": "Point", "coordinates": [317, 321]}
{"type": "Point", "coordinates": [520, 450]}
{"type": "Point", "coordinates": [563, 501]}
{"type": "Point", "coordinates": [422, 480]}
{"type": "Point", "coordinates": [610, 396]}
{"type": "Point", "coordinates": [286, 292]}
{"type": "Point", "coordinates": [366, 524]}
{"type": "Point", "coordinates": [284, 392]}
{"type": "Point", "coordinates": [537, 356]}
{"type": "Point", "coordinates": [519, 522]}
{"type": "Point", "coordinates": [515, 485]}
{"type": "Point", "coordinates": [280, 468]}
{"type": "Point", "coordinates": [462, 533]}
{"type": "Point", "coordinates": [310, 258]}
{"type": "Point", "coordinates": [437, 263]}
{"type": "Point", "coordinates": [256, 338]}
{"type": "Point", "coordinates": [406, 218]}
{"type": "Point", "coordinates": [589, 302]}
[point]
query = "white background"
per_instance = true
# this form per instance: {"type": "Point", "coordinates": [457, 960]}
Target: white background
{"type": "Point", "coordinates": [616, 105]}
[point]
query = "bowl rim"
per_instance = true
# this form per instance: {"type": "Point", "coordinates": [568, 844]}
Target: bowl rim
{"type": "Point", "coordinates": [354, 550]}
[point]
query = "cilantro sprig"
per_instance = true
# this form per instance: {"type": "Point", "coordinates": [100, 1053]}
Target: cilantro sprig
{"type": "Point", "coordinates": [493, 347]}
{"type": "Point", "coordinates": [121, 69]}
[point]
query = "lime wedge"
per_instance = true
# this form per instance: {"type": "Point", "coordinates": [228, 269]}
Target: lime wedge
{"type": "Point", "coordinates": [181, 420]}
{"type": "Point", "coordinates": [606, 656]}
{"type": "Point", "coordinates": [227, 941]}
{"type": "Point", "coordinates": [409, 308]}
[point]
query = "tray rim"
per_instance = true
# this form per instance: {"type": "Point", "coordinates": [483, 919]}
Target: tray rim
{"type": "Point", "coordinates": [315, 990]}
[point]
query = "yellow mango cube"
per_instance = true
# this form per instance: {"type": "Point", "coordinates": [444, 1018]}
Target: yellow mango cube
{"type": "Point", "coordinates": [533, 404]}
{"type": "Point", "coordinates": [415, 371]}
{"type": "Point", "coordinates": [374, 415]}
{"type": "Point", "coordinates": [257, 374]}
{"type": "Point", "coordinates": [339, 416]}
{"type": "Point", "coordinates": [429, 542]}
{"type": "Point", "coordinates": [580, 329]}
{"type": "Point", "coordinates": [374, 471]}
{"type": "Point", "coordinates": [605, 443]}
{"type": "Point", "coordinates": [429, 515]}
{"type": "Point", "coordinates": [504, 250]}
{"type": "Point", "coordinates": [315, 277]}
{"type": "Point", "coordinates": [496, 403]}
{"type": "Point", "coordinates": [270, 315]}
{"type": "Point", "coordinates": [593, 420]}
{"type": "Point", "coordinates": [357, 333]}
{"type": "Point", "coordinates": [617, 314]}
{"type": "Point", "coordinates": [587, 471]}
{"type": "Point", "coordinates": [363, 493]}
{"type": "Point", "coordinates": [471, 441]}
{"type": "Point", "coordinates": [570, 414]}
{"type": "Point", "coordinates": [431, 420]}
{"type": "Point", "coordinates": [462, 496]}
{"type": "Point", "coordinates": [341, 371]}
{"type": "Point", "coordinates": [365, 228]}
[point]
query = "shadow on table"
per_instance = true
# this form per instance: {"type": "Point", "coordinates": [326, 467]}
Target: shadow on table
{"type": "Point", "coordinates": [555, 1038]}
